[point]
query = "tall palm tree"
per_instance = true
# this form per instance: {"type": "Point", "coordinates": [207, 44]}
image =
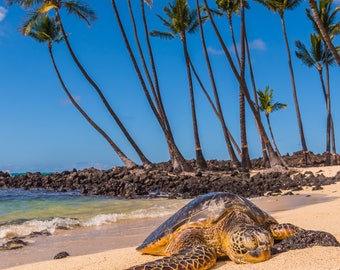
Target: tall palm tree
{"type": "Point", "coordinates": [81, 10]}
{"type": "Point", "coordinates": [177, 159]}
{"type": "Point", "coordinates": [318, 57]}
{"type": "Point", "coordinates": [180, 20]}
{"type": "Point", "coordinates": [323, 31]}
{"type": "Point", "coordinates": [328, 18]}
{"type": "Point", "coordinates": [46, 30]}
{"type": "Point", "coordinates": [267, 106]}
{"type": "Point", "coordinates": [280, 6]}
{"type": "Point", "coordinates": [274, 159]}
{"type": "Point", "coordinates": [216, 108]}
{"type": "Point", "coordinates": [230, 8]}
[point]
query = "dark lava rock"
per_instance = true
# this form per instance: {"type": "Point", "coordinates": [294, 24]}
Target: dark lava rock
{"type": "Point", "coordinates": [61, 255]}
{"type": "Point", "coordinates": [14, 243]}
{"type": "Point", "coordinates": [140, 182]}
{"type": "Point", "coordinates": [305, 238]}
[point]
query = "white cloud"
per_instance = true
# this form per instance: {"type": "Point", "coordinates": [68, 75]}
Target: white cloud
{"type": "Point", "coordinates": [3, 13]}
{"type": "Point", "coordinates": [214, 51]}
{"type": "Point", "coordinates": [67, 101]}
{"type": "Point", "coordinates": [258, 44]}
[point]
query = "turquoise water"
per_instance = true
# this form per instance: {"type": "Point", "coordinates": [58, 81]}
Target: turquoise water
{"type": "Point", "coordinates": [23, 212]}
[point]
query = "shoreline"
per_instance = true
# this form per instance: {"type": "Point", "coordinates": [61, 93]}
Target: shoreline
{"type": "Point", "coordinates": [316, 210]}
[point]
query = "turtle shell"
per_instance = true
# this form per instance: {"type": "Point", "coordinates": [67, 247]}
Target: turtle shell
{"type": "Point", "coordinates": [205, 210]}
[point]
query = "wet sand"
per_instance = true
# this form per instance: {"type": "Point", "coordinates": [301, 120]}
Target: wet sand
{"type": "Point", "coordinates": [316, 210]}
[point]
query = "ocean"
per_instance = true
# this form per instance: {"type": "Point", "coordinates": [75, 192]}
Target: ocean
{"type": "Point", "coordinates": [24, 212]}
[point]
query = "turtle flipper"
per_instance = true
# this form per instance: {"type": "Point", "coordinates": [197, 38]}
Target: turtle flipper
{"type": "Point", "coordinates": [283, 230]}
{"type": "Point", "coordinates": [191, 258]}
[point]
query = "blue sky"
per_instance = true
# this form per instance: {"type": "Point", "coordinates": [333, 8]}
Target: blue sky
{"type": "Point", "coordinates": [42, 131]}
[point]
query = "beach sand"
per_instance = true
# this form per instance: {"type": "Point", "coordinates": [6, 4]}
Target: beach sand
{"type": "Point", "coordinates": [315, 210]}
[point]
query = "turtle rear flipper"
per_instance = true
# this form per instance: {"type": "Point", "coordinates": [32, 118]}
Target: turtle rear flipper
{"type": "Point", "coordinates": [304, 239]}
{"type": "Point", "coordinates": [281, 231]}
{"type": "Point", "coordinates": [192, 258]}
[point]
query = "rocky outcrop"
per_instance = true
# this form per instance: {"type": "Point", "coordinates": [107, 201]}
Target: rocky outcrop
{"type": "Point", "coordinates": [160, 180]}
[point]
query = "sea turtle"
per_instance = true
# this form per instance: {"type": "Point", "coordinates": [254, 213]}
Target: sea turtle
{"type": "Point", "coordinates": [214, 225]}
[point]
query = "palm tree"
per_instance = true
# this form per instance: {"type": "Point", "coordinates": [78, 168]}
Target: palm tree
{"type": "Point", "coordinates": [177, 159]}
{"type": "Point", "coordinates": [46, 30]}
{"type": "Point", "coordinates": [327, 17]}
{"type": "Point", "coordinates": [274, 159]}
{"type": "Point", "coordinates": [318, 58]}
{"type": "Point", "coordinates": [267, 106]}
{"type": "Point", "coordinates": [230, 8]}
{"type": "Point", "coordinates": [280, 6]}
{"type": "Point", "coordinates": [84, 12]}
{"type": "Point", "coordinates": [323, 31]}
{"type": "Point", "coordinates": [180, 21]}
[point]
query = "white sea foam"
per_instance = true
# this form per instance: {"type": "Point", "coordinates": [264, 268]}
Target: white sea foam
{"type": "Point", "coordinates": [29, 227]}
{"type": "Point", "coordinates": [33, 226]}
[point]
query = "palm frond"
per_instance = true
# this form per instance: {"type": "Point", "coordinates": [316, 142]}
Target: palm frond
{"type": "Point", "coordinates": [82, 10]}
{"type": "Point", "coordinates": [303, 54]}
{"type": "Point", "coordinates": [24, 3]}
{"type": "Point", "coordinates": [162, 35]}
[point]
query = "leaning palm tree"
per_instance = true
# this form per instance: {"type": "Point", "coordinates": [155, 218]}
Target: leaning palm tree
{"type": "Point", "coordinates": [267, 106]}
{"type": "Point", "coordinates": [180, 21]}
{"type": "Point", "coordinates": [274, 159]}
{"type": "Point", "coordinates": [178, 161]}
{"type": "Point", "coordinates": [280, 6]}
{"type": "Point", "coordinates": [46, 30]}
{"type": "Point", "coordinates": [230, 8]}
{"type": "Point", "coordinates": [218, 108]}
{"type": "Point", "coordinates": [81, 10]}
{"type": "Point", "coordinates": [323, 30]}
{"type": "Point", "coordinates": [318, 57]}
{"type": "Point", "coordinates": [328, 17]}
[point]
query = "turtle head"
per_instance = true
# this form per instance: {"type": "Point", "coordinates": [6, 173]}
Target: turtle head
{"type": "Point", "coordinates": [248, 244]}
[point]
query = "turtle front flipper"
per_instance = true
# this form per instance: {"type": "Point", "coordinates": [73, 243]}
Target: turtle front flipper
{"type": "Point", "coordinates": [283, 230]}
{"type": "Point", "coordinates": [192, 258]}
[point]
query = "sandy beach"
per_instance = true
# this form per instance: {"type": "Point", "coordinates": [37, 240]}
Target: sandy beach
{"type": "Point", "coordinates": [315, 210]}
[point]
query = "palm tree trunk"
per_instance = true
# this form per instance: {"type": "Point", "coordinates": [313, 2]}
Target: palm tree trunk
{"type": "Point", "coordinates": [245, 153]}
{"type": "Point", "coordinates": [128, 163]}
{"type": "Point", "coordinates": [252, 77]}
{"type": "Point", "coordinates": [141, 155]}
{"type": "Point", "coordinates": [273, 157]}
{"type": "Point", "coordinates": [201, 163]}
{"type": "Point", "coordinates": [227, 135]}
{"type": "Point", "coordinates": [329, 116]}
{"type": "Point", "coordinates": [218, 111]}
{"type": "Point", "coordinates": [177, 159]}
{"type": "Point", "coordinates": [271, 132]}
{"type": "Point", "coordinates": [296, 103]}
{"type": "Point", "coordinates": [323, 31]}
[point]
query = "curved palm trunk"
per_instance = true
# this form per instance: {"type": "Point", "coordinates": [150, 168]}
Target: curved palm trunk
{"type": "Point", "coordinates": [296, 103]}
{"type": "Point", "coordinates": [323, 31]}
{"type": "Point", "coordinates": [128, 163]}
{"type": "Point", "coordinates": [177, 159]}
{"type": "Point", "coordinates": [141, 155]}
{"type": "Point", "coordinates": [273, 157]}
